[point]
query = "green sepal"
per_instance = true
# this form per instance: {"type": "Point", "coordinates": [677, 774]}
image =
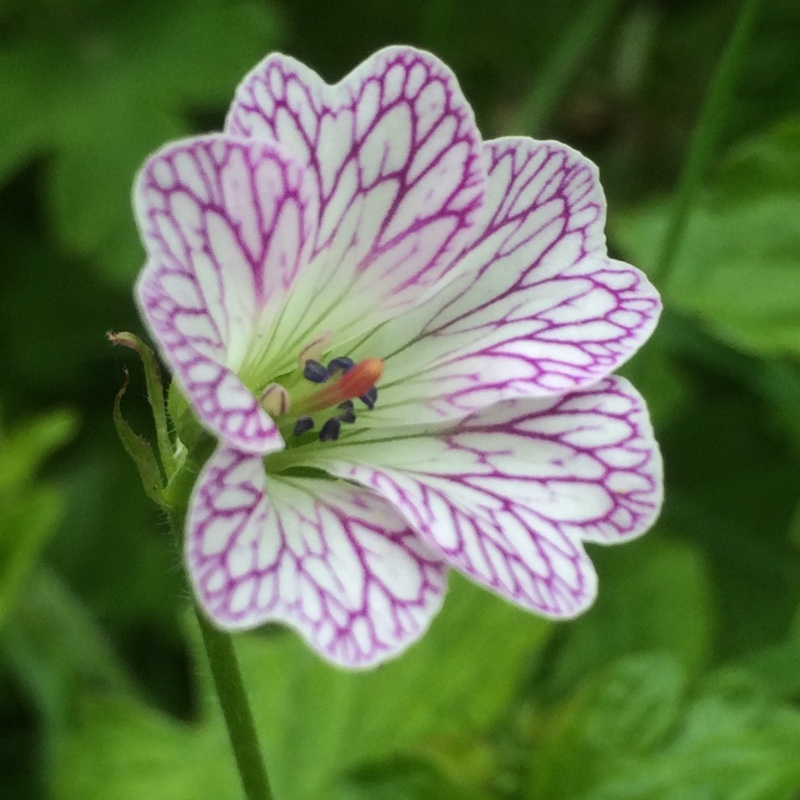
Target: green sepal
{"type": "Point", "coordinates": [139, 449]}
{"type": "Point", "coordinates": [155, 393]}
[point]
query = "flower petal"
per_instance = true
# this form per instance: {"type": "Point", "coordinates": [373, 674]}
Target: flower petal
{"type": "Point", "coordinates": [509, 494]}
{"type": "Point", "coordinates": [228, 225]}
{"type": "Point", "coordinates": [538, 308]}
{"type": "Point", "coordinates": [396, 158]}
{"type": "Point", "coordinates": [330, 559]}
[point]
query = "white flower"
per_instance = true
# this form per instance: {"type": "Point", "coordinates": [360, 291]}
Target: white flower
{"type": "Point", "coordinates": [335, 239]}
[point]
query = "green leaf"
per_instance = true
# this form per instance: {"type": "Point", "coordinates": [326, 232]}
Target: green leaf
{"type": "Point", "coordinates": [640, 732]}
{"type": "Point", "coordinates": [99, 86]}
{"type": "Point", "coordinates": [333, 720]}
{"type": "Point", "coordinates": [51, 642]}
{"type": "Point", "coordinates": [404, 778]}
{"type": "Point", "coordinates": [732, 491]}
{"type": "Point", "coordinates": [624, 712]}
{"type": "Point", "coordinates": [29, 512]}
{"type": "Point", "coordinates": [738, 268]}
{"type": "Point", "coordinates": [654, 595]}
{"type": "Point", "coordinates": [25, 528]}
{"type": "Point", "coordinates": [777, 665]}
{"type": "Point", "coordinates": [315, 722]}
{"type": "Point", "coordinates": [119, 749]}
{"type": "Point", "coordinates": [29, 444]}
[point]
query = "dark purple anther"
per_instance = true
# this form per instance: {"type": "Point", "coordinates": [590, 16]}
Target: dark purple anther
{"type": "Point", "coordinates": [330, 430]}
{"type": "Point", "coordinates": [348, 413]}
{"type": "Point", "coordinates": [315, 372]}
{"type": "Point", "coordinates": [302, 425]}
{"type": "Point", "coordinates": [341, 362]}
{"type": "Point", "coordinates": [369, 399]}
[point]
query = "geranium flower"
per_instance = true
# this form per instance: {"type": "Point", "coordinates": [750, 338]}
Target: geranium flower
{"type": "Point", "coordinates": [402, 336]}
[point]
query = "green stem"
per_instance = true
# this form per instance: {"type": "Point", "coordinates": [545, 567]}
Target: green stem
{"type": "Point", "coordinates": [555, 77]}
{"type": "Point", "coordinates": [221, 654]}
{"type": "Point", "coordinates": [704, 140]}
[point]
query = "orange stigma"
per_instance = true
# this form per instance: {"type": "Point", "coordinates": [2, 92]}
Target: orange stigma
{"type": "Point", "coordinates": [357, 381]}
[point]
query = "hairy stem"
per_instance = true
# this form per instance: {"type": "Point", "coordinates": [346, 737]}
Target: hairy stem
{"type": "Point", "coordinates": [221, 654]}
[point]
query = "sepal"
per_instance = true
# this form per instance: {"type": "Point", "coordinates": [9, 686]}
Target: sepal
{"type": "Point", "coordinates": [155, 394]}
{"type": "Point", "coordinates": [140, 451]}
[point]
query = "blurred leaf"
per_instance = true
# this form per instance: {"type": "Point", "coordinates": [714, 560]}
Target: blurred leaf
{"type": "Point", "coordinates": [53, 317]}
{"type": "Point", "coordinates": [638, 732]}
{"type": "Point", "coordinates": [657, 374]}
{"type": "Point", "coordinates": [445, 683]}
{"type": "Point", "coordinates": [738, 269]}
{"type": "Point", "coordinates": [113, 547]}
{"type": "Point", "coordinates": [315, 722]}
{"type": "Point", "coordinates": [101, 85]}
{"type": "Point", "coordinates": [654, 595]}
{"type": "Point", "coordinates": [122, 750]}
{"type": "Point", "coordinates": [52, 644]}
{"type": "Point", "coordinates": [404, 778]}
{"type": "Point", "coordinates": [625, 711]}
{"type": "Point", "coordinates": [732, 490]}
{"type": "Point", "coordinates": [29, 444]}
{"type": "Point", "coordinates": [29, 512]}
{"type": "Point", "coordinates": [778, 666]}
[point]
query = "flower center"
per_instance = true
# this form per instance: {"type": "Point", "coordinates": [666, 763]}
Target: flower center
{"type": "Point", "coordinates": [341, 382]}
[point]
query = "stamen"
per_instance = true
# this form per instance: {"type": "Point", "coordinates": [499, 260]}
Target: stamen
{"type": "Point", "coordinates": [275, 400]}
{"type": "Point", "coordinates": [369, 398]}
{"type": "Point", "coordinates": [316, 348]}
{"type": "Point", "coordinates": [358, 381]}
{"type": "Point", "coordinates": [315, 372]}
{"type": "Point", "coordinates": [330, 430]}
{"type": "Point", "coordinates": [303, 425]}
{"type": "Point", "coordinates": [342, 363]}
{"type": "Point", "coordinates": [348, 414]}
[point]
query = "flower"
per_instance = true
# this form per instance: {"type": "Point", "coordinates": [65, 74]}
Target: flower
{"type": "Point", "coordinates": [336, 242]}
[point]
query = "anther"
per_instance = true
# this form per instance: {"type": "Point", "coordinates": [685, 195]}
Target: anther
{"type": "Point", "coordinates": [348, 412]}
{"type": "Point", "coordinates": [316, 348]}
{"type": "Point", "coordinates": [342, 363]}
{"type": "Point", "coordinates": [302, 425]}
{"type": "Point", "coordinates": [330, 430]}
{"type": "Point", "coordinates": [369, 398]}
{"type": "Point", "coordinates": [275, 400]}
{"type": "Point", "coordinates": [315, 372]}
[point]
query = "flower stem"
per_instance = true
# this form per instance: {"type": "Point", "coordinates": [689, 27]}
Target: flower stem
{"type": "Point", "coordinates": [236, 710]}
{"type": "Point", "coordinates": [221, 654]}
{"type": "Point", "coordinates": [706, 134]}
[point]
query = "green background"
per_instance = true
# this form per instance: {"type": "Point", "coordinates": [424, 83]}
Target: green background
{"type": "Point", "coordinates": [681, 682]}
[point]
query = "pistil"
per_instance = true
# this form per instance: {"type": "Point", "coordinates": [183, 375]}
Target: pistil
{"type": "Point", "coordinates": [357, 381]}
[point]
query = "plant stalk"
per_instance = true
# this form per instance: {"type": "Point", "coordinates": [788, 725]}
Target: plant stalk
{"type": "Point", "coordinates": [222, 658]}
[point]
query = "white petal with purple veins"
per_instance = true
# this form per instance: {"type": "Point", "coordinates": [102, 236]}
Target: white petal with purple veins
{"type": "Point", "coordinates": [396, 160]}
{"type": "Point", "coordinates": [228, 226]}
{"type": "Point", "coordinates": [509, 494]}
{"type": "Point", "coordinates": [330, 559]}
{"type": "Point", "coordinates": [537, 308]}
